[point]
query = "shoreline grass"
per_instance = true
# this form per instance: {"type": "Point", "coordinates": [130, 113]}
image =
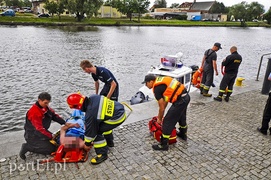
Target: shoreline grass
{"type": "Point", "coordinates": [30, 19]}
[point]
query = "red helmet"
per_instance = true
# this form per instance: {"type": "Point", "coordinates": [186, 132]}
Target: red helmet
{"type": "Point", "coordinates": [75, 100]}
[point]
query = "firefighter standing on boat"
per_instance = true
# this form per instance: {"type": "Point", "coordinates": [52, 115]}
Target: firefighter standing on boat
{"type": "Point", "coordinates": [167, 89]}
{"type": "Point", "coordinates": [101, 115]}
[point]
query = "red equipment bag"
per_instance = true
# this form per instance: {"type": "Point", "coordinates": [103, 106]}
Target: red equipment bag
{"type": "Point", "coordinates": [156, 131]}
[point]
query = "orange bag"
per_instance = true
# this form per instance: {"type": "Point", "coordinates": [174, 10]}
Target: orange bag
{"type": "Point", "coordinates": [156, 130]}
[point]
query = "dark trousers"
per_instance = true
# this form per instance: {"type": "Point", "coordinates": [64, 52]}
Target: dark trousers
{"type": "Point", "coordinates": [207, 78]}
{"type": "Point", "coordinates": [266, 114]}
{"type": "Point", "coordinates": [176, 113]}
{"type": "Point", "coordinates": [100, 138]}
{"type": "Point", "coordinates": [40, 146]}
{"type": "Point", "coordinates": [106, 89]}
{"type": "Point", "coordinates": [227, 81]}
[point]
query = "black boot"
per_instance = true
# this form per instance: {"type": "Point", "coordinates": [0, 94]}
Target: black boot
{"type": "Point", "coordinates": [201, 89]}
{"type": "Point", "coordinates": [227, 98]}
{"type": "Point", "coordinates": [182, 133]}
{"type": "Point", "coordinates": [218, 98]}
{"type": "Point", "coordinates": [24, 149]}
{"type": "Point", "coordinates": [162, 146]}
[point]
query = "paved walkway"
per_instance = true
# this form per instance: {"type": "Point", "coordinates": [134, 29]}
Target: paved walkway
{"type": "Point", "coordinates": [222, 144]}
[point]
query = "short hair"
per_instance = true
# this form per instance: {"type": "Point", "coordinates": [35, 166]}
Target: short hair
{"type": "Point", "coordinates": [44, 96]}
{"type": "Point", "coordinates": [234, 48]}
{"type": "Point", "coordinates": [85, 64]}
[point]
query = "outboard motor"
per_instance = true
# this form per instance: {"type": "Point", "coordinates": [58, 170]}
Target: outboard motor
{"type": "Point", "coordinates": [139, 97]}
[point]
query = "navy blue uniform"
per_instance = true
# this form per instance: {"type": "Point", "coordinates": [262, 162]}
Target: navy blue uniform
{"type": "Point", "coordinates": [231, 63]}
{"type": "Point", "coordinates": [106, 77]}
{"type": "Point", "coordinates": [102, 115]}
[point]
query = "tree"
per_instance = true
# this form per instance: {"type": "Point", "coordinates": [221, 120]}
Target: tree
{"type": "Point", "coordinates": [26, 3]}
{"type": "Point", "coordinates": [129, 7]}
{"type": "Point", "coordinates": [218, 8]}
{"type": "Point", "coordinates": [254, 11]}
{"type": "Point", "coordinates": [174, 5]}
{"type": "Point", "coordinates": [246, 11]}
{"type": "Point", "coordinates": [14, 3]}
{"type": "Point", "coordinates": [267, 16]}
{"type": "Point", "coordinates": [55, 7]}
{"type": "Point", "coordinates": [141, 7]}
{"type": "Point", "coordinates": [238, 10]}
{"type": "Point", "coordinates": [160, 4]}
{"type": "Point", "coordinates": [82, 7]}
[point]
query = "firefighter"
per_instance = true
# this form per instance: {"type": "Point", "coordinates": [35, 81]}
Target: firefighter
{"type": "Point", "coordinates": [101, 115]}
{"type": "Point", "coordinates": [231, 64]}
{"type": "Point", "coordinates": [209, 66]}
{"type": "Point", "coordinates": [167, 89]}
{"type": "Point", "coordinates": [110, 89]}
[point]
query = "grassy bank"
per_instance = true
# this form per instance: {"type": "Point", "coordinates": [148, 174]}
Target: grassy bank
{"type": "Point", "coordinates": [30, 19]}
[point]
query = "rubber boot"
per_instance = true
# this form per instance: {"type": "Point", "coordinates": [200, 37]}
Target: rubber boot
{"type": "Point", "coordinates": [227, 98]}
{"type": "Point", "coordinates": [218, 98]}
{"type": "Point", "coordinates": [182, 133]}
{"type": "Point", "coordinates": [205, 93]}
{"type": "Point", "coordinates": [162, 146]}
{"type": "Point", "coordinates": [24, 149]}
{"type": "Point", "coordinates": [201, 90]}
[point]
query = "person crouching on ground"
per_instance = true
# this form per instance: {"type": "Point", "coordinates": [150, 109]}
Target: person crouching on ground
{"type": "Point", "coordinates": [167, 89]}
{"type": "Point", "coordinates": [37, 122]}
{"type": "Point", "coordinates": [101, 115]}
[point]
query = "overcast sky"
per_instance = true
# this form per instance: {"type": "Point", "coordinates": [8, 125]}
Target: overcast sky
{"type": "Point", "coordinates": [266, 3]}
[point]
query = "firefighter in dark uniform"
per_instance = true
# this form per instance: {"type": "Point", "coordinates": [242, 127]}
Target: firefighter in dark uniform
{"type": "Point", "coordinates": [266, 114]}
{"type": "Point", "coordinates": [37, 122]}
{"type": "Point", "coordinates": [110, 89]}
{"type": "Point", "coordinates": [167, 89]}
{"type": "Point", "coordinates": [101, 115]}
{"type": "Point", "coordinates": [208, 64]}
{"type": "Point", "coordinates": [231, 64]}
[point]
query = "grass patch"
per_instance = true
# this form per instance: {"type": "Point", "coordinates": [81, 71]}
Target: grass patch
{"type": "Point", "coordinates": [29, 19]}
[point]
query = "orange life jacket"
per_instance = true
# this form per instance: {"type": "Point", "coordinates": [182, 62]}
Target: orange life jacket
{"type": "Point", "coordinates": [173, 90]}
{"type": "Point", "coordinates": [196, 78]}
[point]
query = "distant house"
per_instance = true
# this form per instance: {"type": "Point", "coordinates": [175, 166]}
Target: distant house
{"type": "Point", "coordinates": [38, 6]}
{"type": "Point", "coordinates": [185, 6]}
{"type": "Point", "coordinates": [108, 11]}
{"type": "Point", "coordinates": [202, 7]}
{"type": "Point", "coordinates": [192, 9]}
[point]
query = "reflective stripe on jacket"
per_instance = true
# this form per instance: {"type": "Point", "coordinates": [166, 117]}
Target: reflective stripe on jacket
{"type": "Point", "coordinates": [101, 109]}
{"type": "Point", "coordinates": [173, 90]}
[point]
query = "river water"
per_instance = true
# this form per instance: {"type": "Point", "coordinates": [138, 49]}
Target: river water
{"type": "Point", "coordinates": [36, 59]}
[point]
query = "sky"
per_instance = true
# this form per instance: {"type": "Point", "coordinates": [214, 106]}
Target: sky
{"type": "Point", "coordinates": [266, 3]}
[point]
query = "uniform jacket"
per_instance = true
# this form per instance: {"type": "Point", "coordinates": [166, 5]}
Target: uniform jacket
{"type": "Point", "coordinates": [100, 109]}
{"type": "Point", "coordinates": [232, 63]}
{"type": "Point", "coordinates": [38, 121]}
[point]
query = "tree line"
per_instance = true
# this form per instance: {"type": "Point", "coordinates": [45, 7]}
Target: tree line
{"type": "Point", "coordinates": [243, 11]}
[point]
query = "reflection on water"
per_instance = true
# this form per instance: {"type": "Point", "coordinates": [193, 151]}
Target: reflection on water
{"type": "Point", "coordinates": [75, 28]}
{"type": "Point", "coordinates": [36, 59]}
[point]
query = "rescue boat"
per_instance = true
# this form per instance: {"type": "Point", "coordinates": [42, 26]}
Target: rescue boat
{"type": "Point", "coordinates": [170, 65]}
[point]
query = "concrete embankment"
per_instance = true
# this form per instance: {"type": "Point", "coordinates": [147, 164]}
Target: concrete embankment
{"type": "Point", "coordinates": [222, 144]}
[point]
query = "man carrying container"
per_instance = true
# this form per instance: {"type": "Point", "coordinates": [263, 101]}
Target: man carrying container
{"type": "Point", "coordinates": [167, 89]}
